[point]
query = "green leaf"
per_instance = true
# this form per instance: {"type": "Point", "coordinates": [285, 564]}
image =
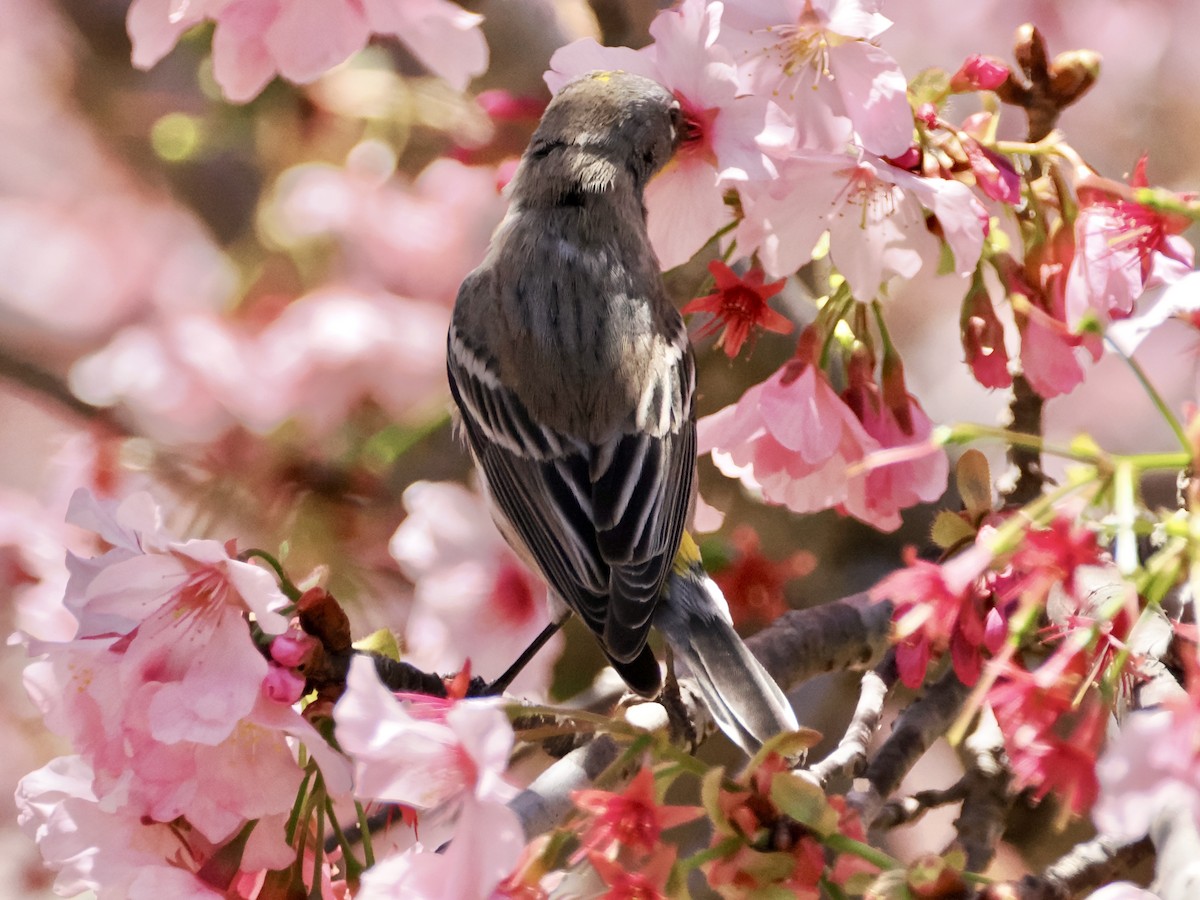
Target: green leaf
{"type": "Point", "coordinates": [382, 642]}
{"type": "Point", "coordinates": [800, 799]}
{"type": "Point", "coordinates": [973, 476]}
{"type": "Point", "coordinates": [710, 789]}
{"type": "Point", "coordinates": [788, 744]}
{"type": "Point", "coordinates": [949, 530]}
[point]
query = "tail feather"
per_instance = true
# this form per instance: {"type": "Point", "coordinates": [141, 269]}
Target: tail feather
{"type": "Point", "coordinates": [743, 699]}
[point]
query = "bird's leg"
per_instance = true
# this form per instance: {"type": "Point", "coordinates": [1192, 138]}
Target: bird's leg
{"type": "Point", "coordinates": [671, 699]}
{"type": "Point", "coordinates": [500, 685]}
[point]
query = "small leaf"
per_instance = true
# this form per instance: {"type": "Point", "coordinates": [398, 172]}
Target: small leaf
{"type": "Point", "coordinates": [788, 744]}
{"type": "Point", "coordinates": [382, 642]}
{"type": "Point", "coordinates": [800, 799]}
{"type": "Point", "coordinates": [973, 476]}
{"type": "Point", "coordinates": [710, 790]}
{"type": "Point", "coordinates": [949, 530]}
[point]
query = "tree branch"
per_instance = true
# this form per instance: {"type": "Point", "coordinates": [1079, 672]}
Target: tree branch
{"type": "Point", "coordinates": [1085, 867]}
{"type": "Point", "coordinates": [849, 757]}
{"type": "Point", "coordinates": [922, 723]}
{"type": "Point", "coordinates": [848, 634]}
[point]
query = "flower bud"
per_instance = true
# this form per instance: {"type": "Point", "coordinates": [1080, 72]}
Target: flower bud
{"type": "Point", "coordinates": [1072, 74]}
{"type": "Point", "coordinates": [1030, 52]}
{"type": "Point", "coordinates": [979, 73]}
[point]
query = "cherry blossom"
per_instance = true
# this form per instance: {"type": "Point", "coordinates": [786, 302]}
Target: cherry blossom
{"type": "Point", "coordinates": [632, 819]}
{"type": "Point", "coordinates": [753, 584]}
{"type": "Point", "coordinates": [647, 883]}
{"type": "Point", "coordinates": [979, 73]}
{"type": "Point", "coordinates": [161, 690]}
{"type": "Point", "coordinates": [89, 847]}
{"type": "Point", "coordinates": [817, 57]}
{"type": "Point", "coordinates": [937, 608]}
{"type": "Point", "coordinates": [414, 237]}
{"type": "Point", "coordinates": [1150, 766]}
{"type": "Point", "coordinates": [335, 348]}
{"type": "Point", "coordinates": [897, 423]}
{"type": "Point", "coordinates": [792, 439]}
{"type": "Point", "coordinates": [983, 338]}
{"type": "Point", "coordinates": [875, 214]}
{"type": "Point", "coordinates": [1052, 741]}
{"type": "Point", "coordinates": [1121, 248]}
{"type": "Point", "coordinates": [449, 758]}
{"type": "Point", "coordinates": [403, 755]}
{"type": "Point", "coordinates": [486, 844]}
{"type": "Point", "coordinates": [728, 131]}
{"type": "Point", "coordinates": [473, 599]}
{"type": "Point", "coordinates": [738, 305]}
{"type": "Point", "coordinates": [255, 40]}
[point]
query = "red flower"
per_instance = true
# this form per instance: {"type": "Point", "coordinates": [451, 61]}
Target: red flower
{"type": "Point", "coordinates": [937, 608]}
{"type": "Point", "coordinates": [632, 819]}
{"type": "Point", "coordinates": [648, 884]}
{"type": "Point", "coordinates": [739, 304]}
{"type": "Point", "coordinates": [753, 584]}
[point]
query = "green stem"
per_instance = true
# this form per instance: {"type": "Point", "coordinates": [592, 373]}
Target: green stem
{"type": "Point", "coordinates": [285, 583]}
{"type": "Point", "coordinates": [318, 851]}
{"type": "Point", "coordinates": [875, 857]}
{"type": "Point", "coordinates": [968, 431]}
{"type": "Point", "coordinates": [1155, 397]}
{"type": "Point", "coordinates": [364, 828]}
{"type": "Point", "coordinates": [349, 860]}
{"type": "Point", "coordinates": [723, 848]}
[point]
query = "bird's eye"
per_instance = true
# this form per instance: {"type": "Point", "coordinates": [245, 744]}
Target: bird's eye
{"type": "Point", "coordinates": [676, 112]}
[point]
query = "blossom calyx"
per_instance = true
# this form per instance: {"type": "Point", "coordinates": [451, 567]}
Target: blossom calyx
{"type": "Point", "coordinates": [1072, 74]}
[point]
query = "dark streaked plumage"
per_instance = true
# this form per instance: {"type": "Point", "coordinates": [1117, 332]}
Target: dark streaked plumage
{"type": "Point", "coordinates": [573, 371]}
{"type": "Point", "coordinates": [575, 380]}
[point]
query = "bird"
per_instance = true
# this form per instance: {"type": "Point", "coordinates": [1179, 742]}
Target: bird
{"type": "Point", "coordinates": [575, 385]}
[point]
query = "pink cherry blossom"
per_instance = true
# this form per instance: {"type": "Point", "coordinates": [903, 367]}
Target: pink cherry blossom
{"type": "Point", "coordinates": [1151, 765]}
{"type": "Point", "coordinates": [979, 73]}
{"type": "Point", "coordinates": [255, 40]}
{"type": "Point", "coordinates": [875, 214]}
{"type": "Point", "coordinates": [337, 347]}
{"type": "Point", "coordinates": [161, 691]}
{"type": "Point", "coordinates": [937, 608]}
{"type": "Point", "coordinates": [485, 846]}
{"type": "Point", "coordinates": [403, 755]}
{"type": "Point", "coordinates": [186, 380]}
{"type": "Point", "coordinates": [786, 48]}
{"type": "Point", "coordinates": [91, 847]}
{"type": "Point", "coordinates": [919, 477]}
{"type": "Point", "coordinates": [418, 238]}
{"type": "Point", "coordinates": [792, 439]}
{"type": "Point", "coordinates": [472, 599]}
{"type": "Point", "coordinates": [633, 818]}
{"type": "Point", "coordinates": [729, 130]}
{"type": "Point", "coordinates": [1121, 248]}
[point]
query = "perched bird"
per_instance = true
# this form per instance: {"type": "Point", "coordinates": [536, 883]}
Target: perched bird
{"type": "Point", "coordinates": [575, 381]}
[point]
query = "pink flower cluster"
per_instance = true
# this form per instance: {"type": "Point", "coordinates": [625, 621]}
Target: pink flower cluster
{"type": "Point", "coordinates": [255, 40]}
{"type": "Point", "coordinates": [1052, 718]}
{"type": "Point", "coordinates": [165, 699]}
{"type": "Point", "coordinates": [373, 332]}
{"type": "Point", "coordinates": [473, 600]}
{"type": "Point", "coordinates": [445, 759]}
{"type": "Point", "coordinates": [797, 442]}
{"type": "Point", "coordinates": [796, 114]}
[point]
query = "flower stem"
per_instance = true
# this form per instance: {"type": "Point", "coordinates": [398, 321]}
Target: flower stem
{"type": "Point", "coordinates": [1155, 396]}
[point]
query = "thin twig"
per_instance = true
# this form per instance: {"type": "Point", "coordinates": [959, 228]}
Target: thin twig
{"type": "Point", "coordinates": [849, 757]}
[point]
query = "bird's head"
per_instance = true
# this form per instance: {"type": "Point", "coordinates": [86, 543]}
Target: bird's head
{"type": "Point", "coordinates": [606, 124]}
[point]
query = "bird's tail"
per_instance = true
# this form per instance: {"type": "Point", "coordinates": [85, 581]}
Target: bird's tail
{"type": "Point", "coordinates": [743, 699]}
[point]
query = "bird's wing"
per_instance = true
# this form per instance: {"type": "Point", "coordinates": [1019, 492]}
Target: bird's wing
{"type": "Point", "coordinates": [602, 521]}
{"type": "Point", "coordinates": [641, 491]}
{"type": "Point", "coordinates": [537, 479]}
